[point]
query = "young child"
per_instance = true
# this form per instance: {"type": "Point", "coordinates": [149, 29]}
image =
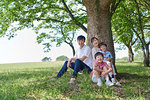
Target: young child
{"type": "Point", "coordinates": [108, 59]}
{"type": "Point", "coordinates": [100, 69]}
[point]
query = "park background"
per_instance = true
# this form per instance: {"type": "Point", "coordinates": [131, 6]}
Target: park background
{"type": "Point", "coordinates": [56, 24]}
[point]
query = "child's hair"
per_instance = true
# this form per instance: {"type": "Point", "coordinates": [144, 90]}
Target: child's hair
{"type": "Point", "coordinates": [81, 37]}
{"type": "Point", "coordinates": [102, 43]}
{"type": "Point", "coordinates": [92, 39]}
{"type": "Point", "coordinates": [98, 53]}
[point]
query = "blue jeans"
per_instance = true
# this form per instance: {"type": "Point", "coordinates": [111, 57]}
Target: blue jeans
{"type": "Point", "coordinates": [77, 66]}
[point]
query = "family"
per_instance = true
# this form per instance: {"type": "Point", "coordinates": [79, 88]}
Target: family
{"type": "Point", "coordinates": [98, 62]}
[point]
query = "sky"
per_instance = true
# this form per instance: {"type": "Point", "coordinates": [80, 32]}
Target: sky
{"type": "Point", "coordinates": [24, 48]}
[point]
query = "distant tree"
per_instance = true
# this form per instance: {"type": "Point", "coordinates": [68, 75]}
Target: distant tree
{"type": "Point", "coordinates": [131, 26]}
{"type": "Point", "coordinates": [62, 58]}
{"type": "Point", "coordinates": [46, 59]}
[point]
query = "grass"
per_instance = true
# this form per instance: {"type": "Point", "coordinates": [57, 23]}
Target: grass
{"type": "Point", "coordinates": [32, 81]}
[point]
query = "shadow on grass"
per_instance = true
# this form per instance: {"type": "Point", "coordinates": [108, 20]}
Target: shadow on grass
{"type": "Point", "coordinates": [132, 76]}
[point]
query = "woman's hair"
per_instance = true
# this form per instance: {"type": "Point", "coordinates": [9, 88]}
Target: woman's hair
{"type": "Point", "coordinates": [98, 53]}
{"type": "Point", "coordinates": [92, 39]}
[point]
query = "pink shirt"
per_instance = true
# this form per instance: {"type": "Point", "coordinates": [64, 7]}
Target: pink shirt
{"type": "Point", "coordinates": [101, 65]}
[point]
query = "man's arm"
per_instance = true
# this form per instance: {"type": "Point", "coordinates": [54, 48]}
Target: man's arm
{"type": "Point", "coordinates": [73, 60]}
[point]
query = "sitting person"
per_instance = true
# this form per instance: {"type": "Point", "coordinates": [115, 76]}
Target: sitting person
{"type": "Point", "coordinates": [81, 60]}
{"type": "Point", "coordinates": [108, 59]}
{"type": "Point", "coordinates": [100, 69]}
{"type": "Point", "coordinates": [95, 48]}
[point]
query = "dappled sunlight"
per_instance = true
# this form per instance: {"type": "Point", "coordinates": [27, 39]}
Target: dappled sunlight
{"type": "Point", "coordinates": [32, 81]}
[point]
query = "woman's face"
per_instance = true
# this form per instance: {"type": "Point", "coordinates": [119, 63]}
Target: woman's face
{"type": "Point", "coordinates": [95, 43]}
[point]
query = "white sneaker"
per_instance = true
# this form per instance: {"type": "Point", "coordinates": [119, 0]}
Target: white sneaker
{"type": "Point", "coordinates": [118, 83]}
{"type": "Point", "coordinates": [113, 80]}
{"type": "Point", "coordinates": [109, 83]}
{"type": "Point", "coordinates": [99, 84]}
{"type": "Point", "coordinates": [72, 80]}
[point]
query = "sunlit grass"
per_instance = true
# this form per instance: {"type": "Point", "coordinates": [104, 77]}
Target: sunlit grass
{"type": "Point", "coordinates": [32, 81]}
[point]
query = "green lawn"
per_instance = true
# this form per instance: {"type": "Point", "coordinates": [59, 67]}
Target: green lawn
{"type": "Point", "coordinates": [32, 81]}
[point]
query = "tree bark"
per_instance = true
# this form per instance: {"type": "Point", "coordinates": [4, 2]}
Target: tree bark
{"type": "Point", "coordinates": [99, 22]}
{"type": "Point", "coordinates": [146, 56]}
{"type": "Point", "coordinates": [131, 55]}
{"type": "Point", "coordinates": [73, 49]}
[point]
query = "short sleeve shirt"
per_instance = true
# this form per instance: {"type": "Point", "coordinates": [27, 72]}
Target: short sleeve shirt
{"type": "Point", "coordinates": [85, 51]}
{"type": "Point", "coordinates": [94, 51]}
{"type": "Point", "coordinates": [107, 55]}
{"type": "Point", "coordinates": [101, 65]}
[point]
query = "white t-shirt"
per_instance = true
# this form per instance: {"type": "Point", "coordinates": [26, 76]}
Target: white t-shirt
{"type": "Point", "coordinates": [85, 51]}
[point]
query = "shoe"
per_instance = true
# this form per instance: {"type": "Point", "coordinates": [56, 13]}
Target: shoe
{"type": "Point", "coordinates": [113, 80]}
{"type": "Point", "coordinates": [118, 83]}
{"type": "Point", "coordinates": [54, 78]}
{"type": "Point", "coordinates": [99, 83]}
{"type": "Point", "coordinates": [109, 83]}
{"type": "Point", "coordinates": [72, 80]}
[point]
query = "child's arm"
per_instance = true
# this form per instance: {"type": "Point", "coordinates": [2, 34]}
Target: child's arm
{"type": "Point", "coordinates": [109, 70]}
{"type": "Point", "coordinates": [97, 68]}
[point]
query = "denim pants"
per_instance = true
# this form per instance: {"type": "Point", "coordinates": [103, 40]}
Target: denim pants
{"type": "Point", "coordinates": [77, 66]}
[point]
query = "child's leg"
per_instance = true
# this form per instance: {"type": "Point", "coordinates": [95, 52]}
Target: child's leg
{"type": "Point", "coordinates": [94, 76]}
{"type": "Point", "coordinates": [108, 82]}
{"type": "Point", "coordinates": [99, 83]}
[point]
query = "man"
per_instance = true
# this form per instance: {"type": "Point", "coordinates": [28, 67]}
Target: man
{"type": "Point", "coordinates": [81, 60]}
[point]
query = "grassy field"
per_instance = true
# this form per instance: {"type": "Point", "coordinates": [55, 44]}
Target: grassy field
{"type": "Point", "coordinates": [32, 81]}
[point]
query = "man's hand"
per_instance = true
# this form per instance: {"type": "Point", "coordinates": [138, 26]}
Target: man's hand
{"type": "Point", "coordinates": [69, 64]}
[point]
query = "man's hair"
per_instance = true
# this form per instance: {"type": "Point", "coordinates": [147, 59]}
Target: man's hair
{"type": "Point", "coordinates": [81, 37]}
{"type": "Point", "coordinates": [97, 54]}
{"type": "Point", "coordinates": [92, 39]}
{"type": "Point", "coordinates": [102, 43]}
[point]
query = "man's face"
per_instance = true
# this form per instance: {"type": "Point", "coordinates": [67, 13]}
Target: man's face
{"type": "Point", "coordinates": [81, 42]}
{"type": "Point", "coordinates": [103, 48]}
{"type": "Point", "coordinates": [95, 43]}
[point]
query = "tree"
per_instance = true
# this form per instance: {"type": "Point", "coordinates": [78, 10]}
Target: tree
{"type": "Point", "coordinates": [50, 13]}
{"type": "Point", "coordinates": [122, 27]}
{"type": "Point", "coordinates": [140, 30]}
{"type": "Point", "coordinates": [46, 59]}
{"type": "Point", "coordinates": [100, 13]}
{"type": "Point", "coordinates": [131, 27]}
{"type": "Point", "coordinates": [62, 58]}
{"type": "Point", "coordinates": [61, 35]}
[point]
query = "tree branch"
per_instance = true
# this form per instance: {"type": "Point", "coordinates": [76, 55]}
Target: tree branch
{"type": "Point", "coordinates": [140, 23]}
{"type": "Point", "coordinates": [114, 6]}
{"type": "Point", "coordinates": [134, 41]}
{"type": "Point", "coordinates": [73, 18]}
{"type": "Point", "coordinates": [54, 20]}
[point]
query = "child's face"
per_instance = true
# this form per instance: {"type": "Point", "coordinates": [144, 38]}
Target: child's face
{"type": "Point", "coordinates": [103, 48]}
{"type": "Point", "coordinates": [95, 43]}
{"type": "Point", "coordinates": [99, 58]}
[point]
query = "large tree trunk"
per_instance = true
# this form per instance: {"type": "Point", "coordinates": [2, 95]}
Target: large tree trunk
{"type": "Point", "coordinates": [99, 22]}
{"type": "Point", "coordinates": [130, 55]}
{"type": "Point", "coordinates": [146, 56]}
